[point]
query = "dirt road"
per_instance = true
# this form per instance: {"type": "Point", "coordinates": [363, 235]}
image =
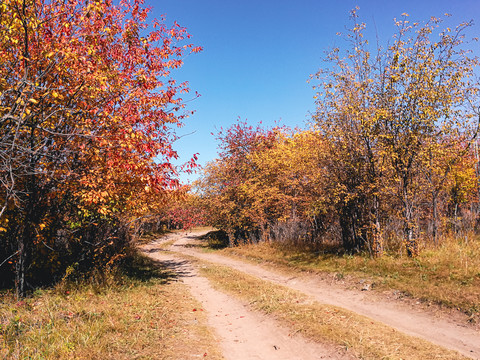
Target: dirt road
{"type": "Point", "coordinates": [247, 335]}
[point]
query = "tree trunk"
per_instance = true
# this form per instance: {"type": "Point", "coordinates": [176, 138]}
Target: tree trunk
{"type": "Point", "coordinates": [435, 218]}
{"type": "Point", "coordinates": [20, 286]}
{"type": "Point", "coordinates": [477, 173]}
{"type": "Point", "coordinates": [455, 215]}
{"type": "Point", "coordinates": [25, 239]}
{"type": "Point", "coordinates": [265, 233]}
{"type": "Point", "coordinates": [345, 224]}
{"type": "Point", "coordinates": [26, 235]}
{"type": "Point", "coordinates": [231, 238]}
{"type": "Point", "coordinates": [410, 240]}
{"type": "Point", "coordinates": [377, 240]}
{"type": "Point", "coordinates": [353, 237]}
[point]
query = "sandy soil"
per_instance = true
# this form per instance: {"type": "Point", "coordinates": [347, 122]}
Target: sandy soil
{"type": "Point", "coordinates": [247, 335]}
{"type": "Point", "coordinates": [243, 334]}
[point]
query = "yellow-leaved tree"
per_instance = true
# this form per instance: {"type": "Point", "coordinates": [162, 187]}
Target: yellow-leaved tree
{"type": "Point", "coordinates": [386, 114]}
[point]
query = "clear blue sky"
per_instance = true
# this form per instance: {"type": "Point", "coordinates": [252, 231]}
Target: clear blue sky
{"type": "Point", "coordinates": [258, 55]}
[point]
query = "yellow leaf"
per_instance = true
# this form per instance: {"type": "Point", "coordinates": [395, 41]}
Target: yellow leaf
{"type": "Point", "coordinates": [2, 229]}
{"type": "Point", "coordinates": [42, 226]}
{"type": "Point", "coordinates": [33, 101]}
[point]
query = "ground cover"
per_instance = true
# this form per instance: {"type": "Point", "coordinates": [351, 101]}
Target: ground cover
{"type": "Point", "coordinates": [448, 275]}
{"type": "Point", "coordinates": [364, 337]}
{"type": "Point", "coordinates": [141, 313]}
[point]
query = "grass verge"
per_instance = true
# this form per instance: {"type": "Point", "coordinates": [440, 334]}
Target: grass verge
{"type": "Point", "coordinates": [367, 339]}
{"type": "Point", "coordinates": [140, 313]}
{"type": "Point", "coordinates": [448, 275]}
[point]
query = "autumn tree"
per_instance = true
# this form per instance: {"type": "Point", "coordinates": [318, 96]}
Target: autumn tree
{"type": "Point", "coordinates": [347, 117]}
{"type": "Point", "coordinates": [387, 113]}
{"type": "Point", "coordinates": [185, 211]}
{"type": "Point", "coordinates": [388, 157]}
{"type": "Point", "coordinates": [290, 195]}
{"type": "Point", "coordinates": [424, 96]}
{"type": "Point", "coordinates": [224, 185]}
{"type": "Point", "coordinates": [267, 185]}
{"type": "Point", "coordinates": [88, 110]}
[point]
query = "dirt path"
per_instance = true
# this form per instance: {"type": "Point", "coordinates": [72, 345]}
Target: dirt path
{"type": "Point", "coordinates": [243, 334]}
{"type": "Point", "coordinates": [414, 322]}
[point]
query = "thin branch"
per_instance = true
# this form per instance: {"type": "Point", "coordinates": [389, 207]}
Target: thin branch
{"type": "Point", "coordinates": [4, 261]}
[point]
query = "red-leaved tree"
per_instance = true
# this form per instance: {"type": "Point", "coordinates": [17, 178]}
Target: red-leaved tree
{"type": "Point", "coordinates": [88, 111]}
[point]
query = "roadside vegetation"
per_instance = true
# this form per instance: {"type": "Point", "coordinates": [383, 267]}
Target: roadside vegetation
{"type": "Point", "coordinates": [385, 182]}
{"type": "Point", "coordinates": [358, 335]}
{"type": "Point", "coordinates": [87, 133]}
{"type": "Point", "coordinates": [137, 312]}
{"type": "Point", "coordinates": [389, 161]}
{"type": "Point", "coordinates": [448, 275]}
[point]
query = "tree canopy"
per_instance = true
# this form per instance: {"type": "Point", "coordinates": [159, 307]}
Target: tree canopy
{"type": "Point", "coordinates": [88, 112]}
{"type": "Point", "coordinates": [389, 145]}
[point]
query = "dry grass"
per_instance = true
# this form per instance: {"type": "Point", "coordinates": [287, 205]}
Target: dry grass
{"type": "Point", "coordinates": [165, 244]}
{"type": "Point", "coordinates": [365, 338]}
{"type": "Point", "coordinates": [144, 314]}
{"type": "Point", "coordinates": [448, 275]}
{"type": "Point", "coordinates": [148, 237]}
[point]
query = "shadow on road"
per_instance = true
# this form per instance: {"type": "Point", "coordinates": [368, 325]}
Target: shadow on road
{"type": "Point", "coordinates": [153, 250]}
{"type": "Point", "coordinates": [142, 267]}
{"type": "Point", "coordinates": [172, 267]}
{"type": "Point", "coordinates": [180, 267]}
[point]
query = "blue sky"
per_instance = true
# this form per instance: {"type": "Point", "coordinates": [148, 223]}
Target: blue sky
{"type": "Point", "coordinates": [258, 55]}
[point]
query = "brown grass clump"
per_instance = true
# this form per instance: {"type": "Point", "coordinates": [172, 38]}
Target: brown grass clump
{"type": "Point", "coordinates": [364, 337]}
{"type": "Point", "coordinates": [448, 275]}
{"type": "Point", "coordinates": [141, 314]}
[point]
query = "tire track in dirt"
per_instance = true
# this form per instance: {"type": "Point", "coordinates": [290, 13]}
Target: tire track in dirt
{"type": "Point", "coordinates": [410, 321]}
{"type": "Point", "coordinates": [243, 334]}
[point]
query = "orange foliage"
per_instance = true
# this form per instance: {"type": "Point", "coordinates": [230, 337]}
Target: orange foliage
{"type": "Point", "coordinates": [88, 111]}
